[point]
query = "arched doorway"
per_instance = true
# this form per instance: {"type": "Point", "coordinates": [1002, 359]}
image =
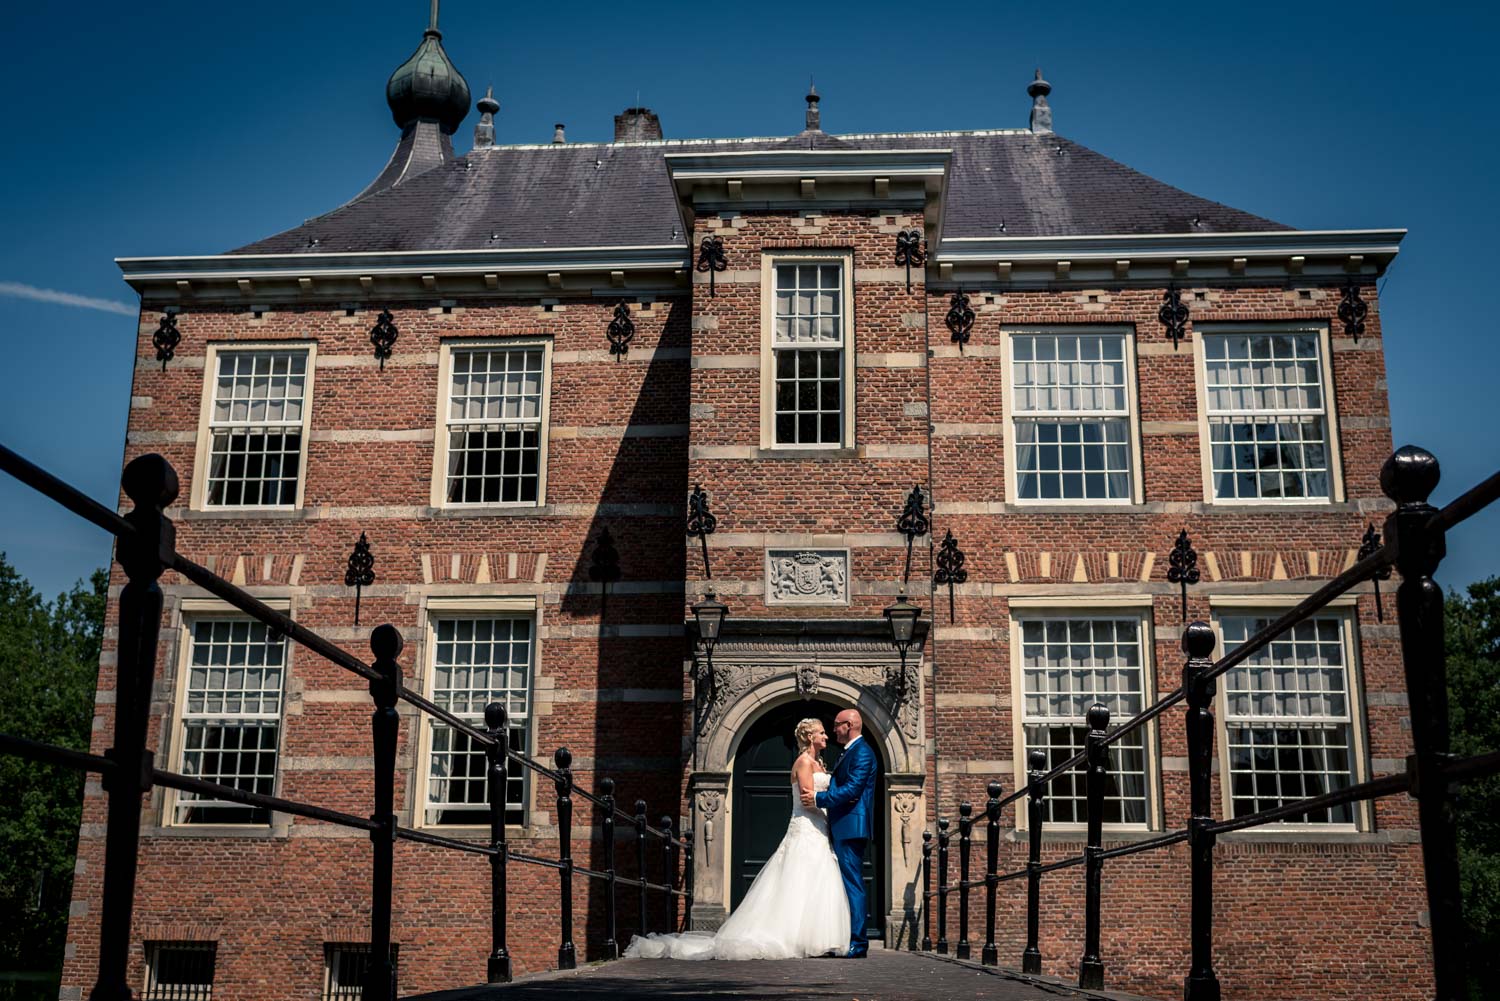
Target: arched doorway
{"type": "Point", "coordinates": [763, 801]}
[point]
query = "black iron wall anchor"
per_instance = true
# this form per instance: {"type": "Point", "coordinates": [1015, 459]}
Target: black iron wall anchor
{"type": "Point", "coordinates": [1184, 567]}
{"type": "Point", "coordinates": [711, 259]}
{"type": "Point", "coordinates": [1173, 315]}
{"type": "Point", "coordinates": [1369, 546]}
{"type": "Point", "coordinates": [701, 522]}
{"type": "Point", "coordinates": [383, 335]}
{"type": "Point", "coordinates": [950, 571]}
{"type": "Point", "coordinates": [910, 252]}
{"type": "Point", "coordinates": [1353, 310]}
{"type": "Point", "coordinates": [960, 319]}
{"type": "Point", "coordinates": [621, 331]}
{"type": "Point", "coordinates": [912, 523]}
{"type": "Point", "coordinates": [605, 568]}
{"type": "Point", "coordinates": [166, 338]}
{"type": "Point", "coordinates": [361, 571]}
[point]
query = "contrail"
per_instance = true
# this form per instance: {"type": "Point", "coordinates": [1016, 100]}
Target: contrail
{"type": "Point", "coordinates": [19, 291]}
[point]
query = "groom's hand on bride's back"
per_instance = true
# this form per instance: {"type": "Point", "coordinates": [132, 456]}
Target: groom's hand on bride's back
{"type": "Point", "coordinates": [809, 799]}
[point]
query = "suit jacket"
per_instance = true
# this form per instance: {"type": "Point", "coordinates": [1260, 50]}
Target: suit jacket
{"type": "Point", "coordinates": [850, 797]}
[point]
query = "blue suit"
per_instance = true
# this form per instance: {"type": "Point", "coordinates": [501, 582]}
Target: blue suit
{"type": "Point", "coordinates": [850, 802]}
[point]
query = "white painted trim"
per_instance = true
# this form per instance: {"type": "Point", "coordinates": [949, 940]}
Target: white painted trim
{"type": "Point", "coordinates": [1141, 247]}
{"type": "Point", "coordinates": [768, 261]}
{"type": "Point", "coordinates": [1084, 601]}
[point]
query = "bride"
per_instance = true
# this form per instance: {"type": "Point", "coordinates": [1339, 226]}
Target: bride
{"type": "Point", "coordinates": [797, 906]}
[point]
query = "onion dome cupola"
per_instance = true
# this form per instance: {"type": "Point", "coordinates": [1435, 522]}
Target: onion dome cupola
{"type": "Point", "coordinates": [427, 87]}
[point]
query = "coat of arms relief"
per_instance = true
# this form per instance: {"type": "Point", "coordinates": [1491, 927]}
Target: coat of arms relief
{"type": "Point", "coordinates": [807, 576]}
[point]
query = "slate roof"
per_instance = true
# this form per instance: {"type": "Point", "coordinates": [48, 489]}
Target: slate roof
{"type": "Point", "coordinates": [620, 195]}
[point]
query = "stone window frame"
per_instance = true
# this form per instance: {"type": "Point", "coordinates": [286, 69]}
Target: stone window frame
{"type": "Point", "coordinates": [1132, 407]}
{"type": "Point", "coordinates": [439, 494]}
{"type": "Point", "coordinates": [1320, 328]}
{"type": "Point", "coordinates": [191, 611]}
{"type": "Point", "coordinates": [203, 443]}
{"type": "Point", "coordinates": [1074, 606]}
{"type": "Point", "coordinates": [496, 606]}
{"type": "Point", "coordinates": [1346, 608]}
{"type": "Point", "coordinates": [769, 259]}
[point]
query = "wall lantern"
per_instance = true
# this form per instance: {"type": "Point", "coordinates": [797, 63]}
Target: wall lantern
{"type": "Point", "coordinates": [709, 614]}
{"type": "Point", "coordinates": [902, 617]}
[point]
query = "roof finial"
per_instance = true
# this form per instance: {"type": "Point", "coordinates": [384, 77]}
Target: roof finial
{"type": "Point", "coordinates": [813, 122]}
{"type": "Point", "coordinates": [432, 21]}
{"type": "Point", "coordinates": [484, 130]}
{"type": "Point", "coordinates": [558, 135]}
{"type": "Point", "coordinates": [1041, 114]}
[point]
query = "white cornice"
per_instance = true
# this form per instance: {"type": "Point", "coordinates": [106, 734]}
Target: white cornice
{"type": "Point", "coordinates": [1371, 243]}
{"type": "Point", "coordinates": [794, 164]}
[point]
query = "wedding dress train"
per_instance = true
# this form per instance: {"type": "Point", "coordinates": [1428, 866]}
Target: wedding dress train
{"type": "Point", "coordinates": [796, 907]}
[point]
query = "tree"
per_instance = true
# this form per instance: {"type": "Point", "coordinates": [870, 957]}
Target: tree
{"type": "Point", "coordinates": [49, 660]}
{"type": "Point", "coordinates": [1473, 644]}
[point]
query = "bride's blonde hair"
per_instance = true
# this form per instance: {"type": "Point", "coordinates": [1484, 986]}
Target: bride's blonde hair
{"type": "Point", "coordinates": [803, 733]}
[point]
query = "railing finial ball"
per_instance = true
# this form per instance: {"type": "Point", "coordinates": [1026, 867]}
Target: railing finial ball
{"type": "Point", "coordinates": [562, 757]}
{"type": "Point", "coordinates": [1198, 639]}
{"type": "Point", "coordinates": [943, 823]}
{"type": "Point", "coordinates": [640, 806]}
{"type": "Point", "coordinates": [386, 642]}
{"type": "Point", "coordinates": [965, 809]}
{"type": "Point", "coordinates": [150, 481]}
{"type": "Point", "coordinates": [494, 716]}
{"type": "Point", "coordinates": [607, 786]}
{"type": "Point", "coordinates": [1036, 760]}
{"type": "Point", "coordinates": [927, 837]}
{"type": "Point", "coordinates": [1098, 716]}
{"type": "Point", "coordinates": [1410, 475]}
{"type": "Point", "coordinates": [994, 790]}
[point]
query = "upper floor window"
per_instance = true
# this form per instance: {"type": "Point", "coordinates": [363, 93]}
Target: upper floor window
{"type": "Point", "coordinates": [1289, 726]}
{"type": "Point", "coordinates": [256, 428]}
{"type": "Point", "coordinates": [809, 366]}
{"type": "Point", "coordinates": [494, 418]}
{"type": "Point", "coordinates": [1267, 416]}
{"type": "Point", "coordinates": [1071, 416]}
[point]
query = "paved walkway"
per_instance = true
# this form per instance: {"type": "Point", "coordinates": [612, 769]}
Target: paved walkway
{"type": "Point", "coordinates": [884, 976]}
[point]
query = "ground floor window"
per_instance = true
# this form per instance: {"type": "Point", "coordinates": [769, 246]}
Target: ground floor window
{"type": "Point", "coordinates": [180, 971]}
{"type": "Point", "coordinates": [345, 966]}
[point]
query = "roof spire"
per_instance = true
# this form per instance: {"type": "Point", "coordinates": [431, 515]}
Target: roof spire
{"type": "Point", "coordinates": [813, 122]}
{"type": "Point", "coordinates": [484, 131]}
{"type": "Point", "coordinates": [432, 21]}
{"type": "Point", "coordinates": [1041, 113]}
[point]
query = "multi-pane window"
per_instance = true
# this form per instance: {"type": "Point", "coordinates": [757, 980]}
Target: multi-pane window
{"type": "Point", "coordinates": [494, 425]}
{"type": "Point", "coordinates": [1068, 664]}
{"type": "Point", "coordinates": [1288, 723]}
{"type": "Point", "coordinates": [1267, 417]}
{"type": "Point", "coordinates": [345, 965]}
{"type": "Point", "coordinates": [476, 661]}
{"type": "Point", "coordinates": [808, 345]}
{"type": "Point", "coordinates": [231, 717]}
{"type": "Point", "coordinates": [1071, 416]}
{"type": "Point", "coordinates": [179, 971]}
{"type": "Point", "coordinates": [255, 428]}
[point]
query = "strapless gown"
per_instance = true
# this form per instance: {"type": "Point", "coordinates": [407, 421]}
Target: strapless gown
{"type": "Point", "coordinates": [795, 908]}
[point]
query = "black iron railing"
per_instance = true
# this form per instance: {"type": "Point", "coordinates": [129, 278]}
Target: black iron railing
{"type": "Point", "coordinates": [146, 549]}
{"type": "Point", "coordinates": [1414, 543]}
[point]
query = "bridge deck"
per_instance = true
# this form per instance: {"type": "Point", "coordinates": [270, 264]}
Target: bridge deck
{"type": "Point", "coordinates": [884, 976]}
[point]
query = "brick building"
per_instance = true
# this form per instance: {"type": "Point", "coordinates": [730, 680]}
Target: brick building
{"type": "Point", "coordinates": [1062, 425]}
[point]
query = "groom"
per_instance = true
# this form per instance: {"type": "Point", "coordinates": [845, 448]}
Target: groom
{"type": "Point", "coordinates": [850, 802]}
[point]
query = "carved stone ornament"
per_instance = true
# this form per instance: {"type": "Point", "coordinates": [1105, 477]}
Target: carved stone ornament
{"type": "Point", "coordinates": [807, 680]}
{"type": "Point", "coordinates": [732, 681]}
{"type": "Point", "coordinates": [807, 577]}
{"type": "Point", "coordinates": [905, 804]}
{"type": "Point", "coordinates": [708, 808]}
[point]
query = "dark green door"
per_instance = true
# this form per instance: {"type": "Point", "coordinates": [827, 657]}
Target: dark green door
{"type": "Point", "coordinates": [763, 801]}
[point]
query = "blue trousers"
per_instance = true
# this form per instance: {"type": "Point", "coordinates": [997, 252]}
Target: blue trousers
{"type": "Point", "coordinates": [851, 856]}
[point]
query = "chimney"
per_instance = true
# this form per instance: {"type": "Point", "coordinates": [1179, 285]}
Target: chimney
{"type": "Point", "coordinates": [1041, 114]}
{"type": "Point", "coordinates": [557, 134]}
{"type": "Point", "coordinates": [637, 125]}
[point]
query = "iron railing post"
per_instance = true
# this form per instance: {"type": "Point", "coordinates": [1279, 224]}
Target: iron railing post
{"type": "Point", "coordinates": [926, 891]}
{"type": "Point", "coordinates": [942, 914]}
{"type": "Point", "coordinates": [668, 872]}
{"type": "Point", "coordinates": [687, 876]}
{"type": "Point", "coordinates": [1407, 478]}
{"type": "Point", "coordinates": [151, 484]}
{"type": "Point", "coordinates": [1036, 811]}
{"type": "Point", "coordinates": [1198, 643]}
{"type": "Point", "coordinates": [611, 929]}
{"type": "Point", "coordinates": [640, 858]}
{"type": "Point", "coordinates": [988, 956]}
{"type": "Point", "coordinates": [567, 957]}
{"type": "Point", "coordinates": [385, 725]}
{"type": "Point", "coordinates": [965, 842]}
{"type": "Point", "coordinates": [1090, 967]}
{"type": "Point", "coordinates": [498, 968]}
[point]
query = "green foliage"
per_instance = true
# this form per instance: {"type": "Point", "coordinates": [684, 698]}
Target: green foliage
{"type": "Point", "coordinates": [49, 659]}
{"type": "Point", "coordinates": [1473, 644]}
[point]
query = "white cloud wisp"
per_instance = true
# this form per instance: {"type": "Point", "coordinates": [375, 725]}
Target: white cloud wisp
{"type": "Point", "coordinates": [17, 290]}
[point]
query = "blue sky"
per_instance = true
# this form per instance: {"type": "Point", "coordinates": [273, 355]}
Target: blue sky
{"type": "Point", "coordinates": [192, 128]}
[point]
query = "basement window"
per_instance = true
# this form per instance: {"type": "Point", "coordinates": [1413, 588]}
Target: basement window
{"type": "Point", "coordinates": [345, 966]}
{"type": "Point", "coordinates": [180, 971]}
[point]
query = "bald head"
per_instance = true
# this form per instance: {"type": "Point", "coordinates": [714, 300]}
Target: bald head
{"type": "Point", "coordinates": [847, 725]}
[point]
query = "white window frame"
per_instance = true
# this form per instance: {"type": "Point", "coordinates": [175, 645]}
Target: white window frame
{"type": "Point", "coordinates": [1329, 410]}
{"type": "Point", "coordinates": [1344, 608]}
{"type": "Point", "coordinates": [768, 263]}
{"type": "Point", "coordinates": [439, 495]}
{"type": "Point", "coordinates": [1131, 417]}
{"type": "Point", "coordinates": [192, 611]}
{"type": "Point", "coordinates": [1137, 607]}
{"type": "Point", "coordinates": [203, 449]}
{"type": "Point", "coordinates": [510, 607]}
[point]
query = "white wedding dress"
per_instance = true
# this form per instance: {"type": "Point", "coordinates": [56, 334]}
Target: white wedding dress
{"type": "Point", "coordinates": [796, 907]}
